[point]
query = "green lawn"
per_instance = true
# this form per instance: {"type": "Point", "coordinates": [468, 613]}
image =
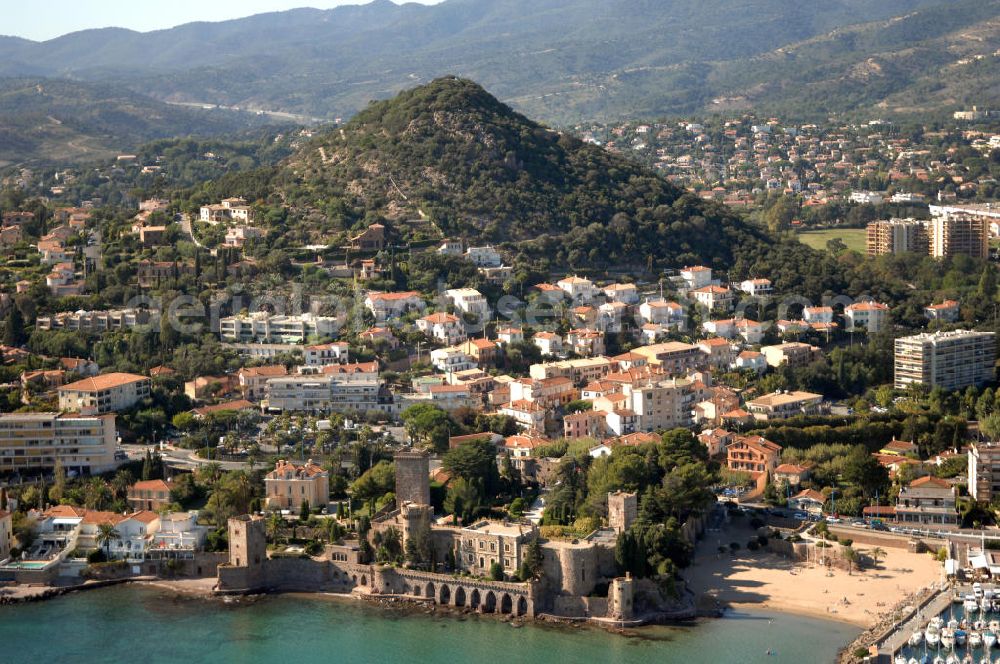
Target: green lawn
{"type": "Point", "coordinates": [854, 238]}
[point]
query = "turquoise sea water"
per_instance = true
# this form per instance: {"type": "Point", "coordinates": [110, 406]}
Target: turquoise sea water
{"type": "Point", "coordinates": [136, 624]}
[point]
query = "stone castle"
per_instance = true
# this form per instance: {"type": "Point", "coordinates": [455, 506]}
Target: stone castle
{"type": "Point", "coordinates": [572, 583]}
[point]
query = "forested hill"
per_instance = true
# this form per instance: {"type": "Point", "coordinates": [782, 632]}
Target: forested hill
{"type": "Point", "coordinates": [450, 152]}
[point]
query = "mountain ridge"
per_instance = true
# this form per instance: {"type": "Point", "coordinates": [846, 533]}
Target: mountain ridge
{"type": "Point", "coordinates": [57, 120]}
{"type": "Point", "coordinates": [560, 60]}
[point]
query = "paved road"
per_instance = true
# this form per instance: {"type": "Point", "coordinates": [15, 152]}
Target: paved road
{"type": "Point", "coordinates": [186, 228]}
{"type": "Point", "coordinates": [184, 459]}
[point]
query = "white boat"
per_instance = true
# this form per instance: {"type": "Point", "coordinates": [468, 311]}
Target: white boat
{"type": "Point", "coordinates": [947, 638]}
{"type": "Point", "coordinates": [977, 589]}
{"type": "Point", "coordinates": [952, 659]}
{"type": "Point", "coordinates": [933, 638]}
{"type": "Point", "coordinates": [939, 660]}
{"type": "Point", "coordinates": [979, 625]}
{"type": "Point", "coordinates": [916, 638]}
{"type": "Point", "coordinates": [994, 626]}
{"type": "Point", "coordinates": [937, 622]}
{"type": "Point", "coordinates": [953, 624]}
{"type": "Point", "coordinates": [975, 639]}
{"type": "Point", "coordinates": [989, 639]}
{"type": "Point", "coordinates": [900, 660]}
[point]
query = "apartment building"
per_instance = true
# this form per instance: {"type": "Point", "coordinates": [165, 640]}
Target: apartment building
{"type": "Point", "coordinates": [951, 360]}
{"type": "Point", "coordinates": [321, 355]}
{"type": "Point", "coordinates": [581, 371]}
{"type": "Point", "coordinates": [792, 353]}
{"type": "Point", "coordinates": [253, 380]}
{"type": "Point", "coordinates": [984, 471]}
{"type": "Point", "coordinates": [106, 393]}
{"type": "Point", "coordinates": [324, 393]}
{"type": "Point", "coordinates": [264, 327]}
{"type": "Point", "coordinates": [752, 454]}
{"type": "Point", "coordinates": [895, 236]}
{"type": "Point", "coordinates": [673, 357]}
{"type": "Point", "coordinates": [783, 404]}
{"type": "Point", "coordinates": [99, 321]}
{"type": "Point", "coordinates": [927, 501]}
{"type": "Point", "coordinates": [955, 234]}
{"type": "Point", "coordinates": [661, 404]}
{"type": "Point", "coordinates": [36, 441]}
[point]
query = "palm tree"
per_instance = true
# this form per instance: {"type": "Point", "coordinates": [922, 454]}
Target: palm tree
{"type": "Point", "coordinates": [877, 553]}
{"type": "Point", "coordinates": [851, 556]}
{"type": "Point", "coordinates": [274, 525]}
{"type": "Point", "coordinates": [106, 534]}
{"type": "Point", "coordinates": [121, 482]}
{"type": "Point", "coordinates": [95, 494]}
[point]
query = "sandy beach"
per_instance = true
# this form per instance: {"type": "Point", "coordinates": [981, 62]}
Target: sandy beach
{"type": "Point", "coordinates": [766, 580]}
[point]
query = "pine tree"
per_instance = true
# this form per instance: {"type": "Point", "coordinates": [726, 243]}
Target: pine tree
{"type": "Point", "coordinates": [987, 284]}
{"type": "Point", "coordinates": [13, 329]}
{"type": "Point", "coordinates": [147, 467]}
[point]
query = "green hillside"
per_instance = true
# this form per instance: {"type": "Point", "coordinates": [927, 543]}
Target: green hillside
{"type": "Point", "coordinates": [451, 152]}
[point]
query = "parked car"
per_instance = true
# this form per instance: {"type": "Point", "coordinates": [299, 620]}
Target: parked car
{"type": "Point", "coordinates": [801, 516]}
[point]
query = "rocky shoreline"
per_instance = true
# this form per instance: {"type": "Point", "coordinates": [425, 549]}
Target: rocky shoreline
{"type": "Point", "coordinates": [58, 591]}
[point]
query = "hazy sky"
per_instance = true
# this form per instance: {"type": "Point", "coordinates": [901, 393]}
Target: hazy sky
{"type": "Point", "coordinates": [51, 18]}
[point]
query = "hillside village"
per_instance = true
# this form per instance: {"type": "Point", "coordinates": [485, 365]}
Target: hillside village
{"type": "Point", "coordinates": [828, 166]}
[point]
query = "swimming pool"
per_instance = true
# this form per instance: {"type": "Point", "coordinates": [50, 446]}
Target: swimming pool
{"type": "Point", "coordinates": [27, 564]}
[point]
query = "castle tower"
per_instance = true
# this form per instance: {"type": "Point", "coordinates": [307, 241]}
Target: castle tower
{"type": "Point", "coordinates": [620, 598]}
{"type": "Point", "coordinates": [622, 510]}
{"type": "Point", "coordinates": [246, 570]}
{"type": "Point", "coordinates": [416, 520]}
{"type": "Point", "coordinates": [247, 542]}
{"type": "Point", "coordinates": [413, 483]}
